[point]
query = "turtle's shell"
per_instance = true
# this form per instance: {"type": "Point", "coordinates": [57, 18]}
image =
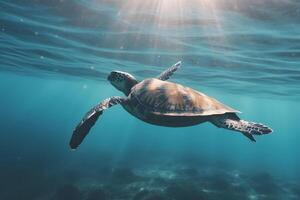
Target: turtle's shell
{"type": "Point", "coordinates": [167, 98]}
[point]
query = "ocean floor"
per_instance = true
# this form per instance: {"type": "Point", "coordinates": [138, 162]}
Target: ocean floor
{"type": "Point", "coordinates": [155, 181]}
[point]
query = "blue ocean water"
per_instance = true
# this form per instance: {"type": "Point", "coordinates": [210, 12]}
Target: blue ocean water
{"type": "Point", "coordinates": [54, 59]}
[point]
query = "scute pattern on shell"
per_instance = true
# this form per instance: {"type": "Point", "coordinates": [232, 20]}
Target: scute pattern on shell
{"type": "Point", "coordinates": [167, 98]}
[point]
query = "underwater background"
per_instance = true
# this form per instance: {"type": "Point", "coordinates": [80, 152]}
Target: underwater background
{"type": "Point", "coordinates": [55, 56]}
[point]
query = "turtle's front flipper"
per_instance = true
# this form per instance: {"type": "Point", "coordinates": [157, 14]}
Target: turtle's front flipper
{"type": "Point", "coordinates": [233, 122]}
{"type": "Point", "coordinates": [169, 72]}
{"type": "Point", "coordinates": [83, 128]}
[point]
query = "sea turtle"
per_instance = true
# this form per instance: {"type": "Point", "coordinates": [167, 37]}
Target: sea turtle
{"type": "Point", "coordinates": [160, 102]}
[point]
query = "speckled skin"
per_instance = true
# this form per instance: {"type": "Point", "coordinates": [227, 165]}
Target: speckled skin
{"type": "Point", "coordinates": [169, 104]}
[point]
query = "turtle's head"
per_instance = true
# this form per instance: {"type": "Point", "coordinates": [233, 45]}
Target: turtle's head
{"type": "Point", "coordinates": [122, 81]}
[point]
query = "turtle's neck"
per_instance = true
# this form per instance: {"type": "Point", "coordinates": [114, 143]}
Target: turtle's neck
{"type": "Point", "coordinates": [129, 85]}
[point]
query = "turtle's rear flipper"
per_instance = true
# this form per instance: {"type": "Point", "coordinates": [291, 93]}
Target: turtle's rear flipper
{"type": "Point", "coordinates": [83, 128]}
{"type": "Point", "coordinates": [233, 122]}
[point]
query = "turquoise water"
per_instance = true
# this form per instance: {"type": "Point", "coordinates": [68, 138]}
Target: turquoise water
{"type": "Point", "coordinates": [54, 60]}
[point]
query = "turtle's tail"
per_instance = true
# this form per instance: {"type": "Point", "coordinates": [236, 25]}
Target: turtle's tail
{"type": "Point", "coordinates": [233, 122]}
